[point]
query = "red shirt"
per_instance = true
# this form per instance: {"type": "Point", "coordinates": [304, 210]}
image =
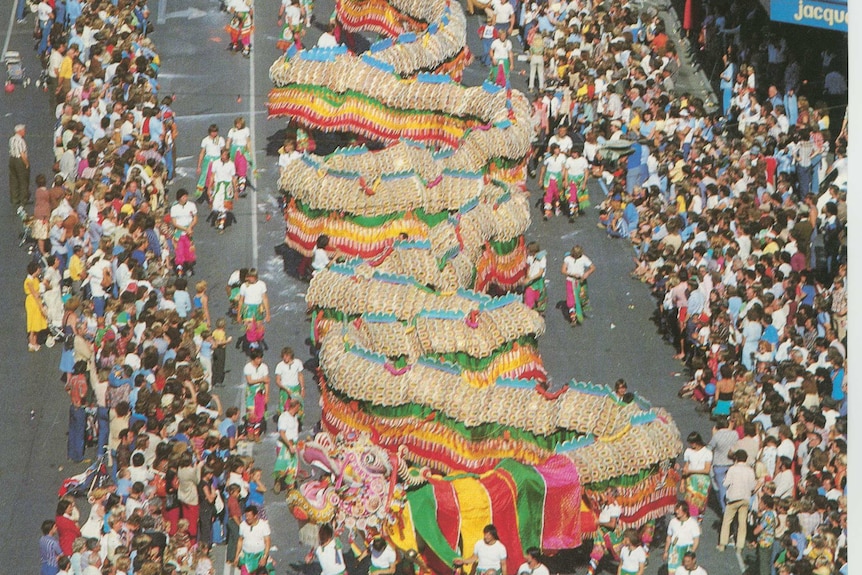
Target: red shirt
{"type": "Point", "coordinates": [67, 532]}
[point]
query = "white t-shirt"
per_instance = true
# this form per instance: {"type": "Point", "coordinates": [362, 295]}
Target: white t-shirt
{"type": "Point", "coordinates": [96, 272]}
{"type": "Point", "coordinates": [490, 556]}
{"type": "Point", "coordinates": [524, 569]}
{"type": "Point", "coordinates": [696, 571]}
{"type": "Point", "coordinates": [684, 533]}
{"type": "Point", "coordinates": [577, 166]}
{"type": "Point", "coordinates": [289, 425]}
{"type": "Point", "coordinates": [577, 267]}
{"type": "Point", "coordinates": [632, 559]}
{"type": "Point", "coordinates": [223, 171]}
{"type": "Point", "coordinates": [182, 215]}
{"type": "Point", "coordinates": [330, 558]}
{"type": "Point", "coordinates": [502, 11]}
{"type": "Point", "coordinates": [384, 559]}
{"type": "Point", "coordinates": [501, 49]}
{"type": "Point", "coordinates": [319, 259]}
{"type": "Point", "coordinates": [289, 374]}
{"type": "Point", "coordinates": [239, 136]}
{"type": "Point", "coordinates": [293, 15]}
{"type": "Point", "coordinates": [212, 147]}
{"type": "Point", "coordinates": [253, 372]}
{"type": "Point", "coordinates": [555, 164]}
{"type": "Point", "coordinates": [252, 294]}
{"type": "Point", "coordinates": [697, 459]}
{"type": "Point", "coordinates": [537, 266]}
{"type": "Point", "coordinates": [253, 537]}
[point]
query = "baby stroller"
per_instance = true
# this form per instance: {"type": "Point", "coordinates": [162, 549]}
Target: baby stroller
{"type": "Point", "coordinates": [14, 69]}
{"type": "Point", "coordinates": [25, 238]}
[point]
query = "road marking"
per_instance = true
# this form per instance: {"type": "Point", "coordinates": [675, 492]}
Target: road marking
{"type": "Point", "coordinates": [188, 13]}
{"type": "Point", "coordinates": [252, 129]}
{"type": "Point", "coordinates": [162, 17]}
{"type": "Point", "coordinates": [218, 115]}
{"type": "Point", "coordinates": [9, 28]}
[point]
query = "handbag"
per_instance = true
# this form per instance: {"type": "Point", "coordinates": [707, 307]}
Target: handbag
{"type": "Point", "coordinates": [218, 503]}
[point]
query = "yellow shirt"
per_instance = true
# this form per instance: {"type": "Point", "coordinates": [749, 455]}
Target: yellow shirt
{"type": "Point", "coordinates": [76, 268]}
{"type": "Point", "coordinates": [219, 336]}
{"type": "Point", "coordinates": [65, 71]}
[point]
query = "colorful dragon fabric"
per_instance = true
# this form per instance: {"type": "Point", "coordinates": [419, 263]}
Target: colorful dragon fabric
{"type": "Point", "coordinates": [436, 412]}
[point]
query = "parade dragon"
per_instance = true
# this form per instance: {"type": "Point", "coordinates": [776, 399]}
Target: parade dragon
{"type": "Point", "coordinates": [436, 410]}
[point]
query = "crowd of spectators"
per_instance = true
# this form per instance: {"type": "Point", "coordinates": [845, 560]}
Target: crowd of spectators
{"type": "Point", "coordinates": [141, 355]}
{"type": "Point", "coordinates": [737, 216]}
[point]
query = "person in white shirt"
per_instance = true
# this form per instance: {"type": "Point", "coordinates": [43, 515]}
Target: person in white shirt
{"type": "Point", "coordinates": [289, 378]}
{"type": "Point", "coordinates": [252, 548]}
{"type": "Point", "coordinates": [253, 302]}
{"type": "Point", "coordinates": [211, 148]}
{"type": "Point", "coordinates": [285, 457]}
{"type": "Point", "coordinates": [576, 269]}
{"type": "Point", "coordinates": [536, 293]}
{"type": "Point", "coordinates": [532, 565]}
{"type": "Point", "coordinates": [632, 555]}
{"type": "Point", "coordinates": [489, 554]}
{"type": "Point", "coordinates": [222, 190]}
{"type": "Point", "coordinates": [551, 179]}
{"type": "Point", "coordinates": [502, 60]}
{"type": "Point", "coordinates": [184, 218]}
{"type": "Point", "coordinates": [257, 393]}
{"type": "Point", "coordinates": [696, 469]}
{"type": "Point", "coordinates": [689, 566]}
{"type": "Point", "coordinates": [238, 139]}
{"type": "Point", "coordinates": [683, 535]}
{"type": "Point", "coordinates": [328, 552]}
{"type": "Point", "coordinates": [384, 560]}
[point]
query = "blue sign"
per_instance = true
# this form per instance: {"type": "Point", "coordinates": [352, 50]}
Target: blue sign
{"type": "Point", "coordinates": [828, 14]}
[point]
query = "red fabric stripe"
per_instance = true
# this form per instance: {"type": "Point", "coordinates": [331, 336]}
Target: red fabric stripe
{"type": "Point", "coordinates": [448, 512]}
{"type": "Point", "coordinates": [501, 490]}
{"type": "Point", "coordinates": [562, 503]}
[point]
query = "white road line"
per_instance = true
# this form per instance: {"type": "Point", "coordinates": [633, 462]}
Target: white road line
{"type": "Point", "coordinates": [162, 12]}
{"type": "Point", "coordinates": [9, 27]}
{"type": "Point", "coordinates": [204, 115]}
{"type": "Point", "coordinates": [251, 177]}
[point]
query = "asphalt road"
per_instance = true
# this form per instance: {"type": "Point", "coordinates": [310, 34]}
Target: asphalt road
{"type": "Point", "coordinates": [213, 85]}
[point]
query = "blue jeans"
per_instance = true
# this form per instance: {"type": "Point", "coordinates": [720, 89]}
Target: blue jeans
{"type": "Point", "coordinates": [46, 31]}
{"type": "Point", "coordinates": [19, 11]}
{"type": "Point", "coordinates": [718, 474]}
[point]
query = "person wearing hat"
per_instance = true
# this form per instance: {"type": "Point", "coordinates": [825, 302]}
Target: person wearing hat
{"type": "Point", "coordinates": [19, 167]}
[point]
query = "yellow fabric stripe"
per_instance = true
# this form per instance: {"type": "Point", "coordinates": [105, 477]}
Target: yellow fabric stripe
{"type": "Point", "coordinates": [475, 511]}
{"type": "Point", "coordinates": [403, 533]}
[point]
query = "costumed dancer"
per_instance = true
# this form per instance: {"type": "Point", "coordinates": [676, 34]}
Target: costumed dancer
{"type": "Point", "coordinates": [240, 154]}
{"type": "Point", "coordinates": [577, 268]}
{"type": "Point", "coordinates": [289, 380]}
{"type": "Point", "coordinates": [241, 26]}
{"type": "Point", "coordinates": [184, 218]}
{"type": "Point", "coordinates": [253, 302]}
{"type": "Point", "coordinates": [327, 552]}
{"type": "Point", "coordinates": [256, 374]}
{"type": "Point", "coordinates": [286, 461]}
{"type": "Point", "coordinates": [550, 180]}
{"type": "Point", "coordinates": [696, 472]}
{"type": "Point", "coordinates": [609, 535]}
{"type": "Point", "coordinates": [683, 535]}
{"type": "Point", "coordinates": [502, 60]}
{"type": "Point", "coordinates": [222, 191]}
{"type": "Point", "coordinates": [211, 147]}
{"type": "Point", "coordinates": [577, 196]}
{"type": "Point", "coordinates": [291, 19]}
{"type": "Point", "coordinates": [536, 292]}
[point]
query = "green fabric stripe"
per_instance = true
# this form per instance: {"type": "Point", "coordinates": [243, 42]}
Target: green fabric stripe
{"type": "Point", "coordinates": [530, 503]}
{"type": "Point", "coordinates": [430, 220]}
{"type": "Point", "coordinates": [338, 99]}
{"type": "Point", "coordinates": [623, 480]}
{"type": "Point", "coordinates": [505, 247]}
{"type": "Point", "coordinates": [424, 509]}
{"type": "Point", "coordinates": [472, 434]}
{"type": "Point", "coordinates": [470, 363]}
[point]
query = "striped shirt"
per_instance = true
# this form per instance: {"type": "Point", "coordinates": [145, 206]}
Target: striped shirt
{"type": "Point", "coordinates": [49, 550]}
{"type": "Point", "coordinates": [17, 146]}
